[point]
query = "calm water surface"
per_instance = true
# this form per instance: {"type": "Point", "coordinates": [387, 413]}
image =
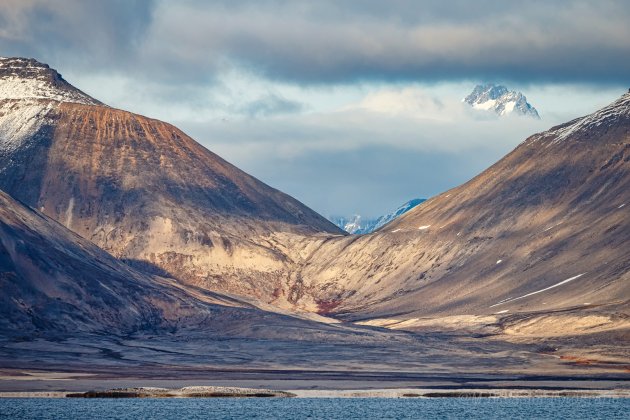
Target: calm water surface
{"type": "Point", "coordinates": [316, 408]}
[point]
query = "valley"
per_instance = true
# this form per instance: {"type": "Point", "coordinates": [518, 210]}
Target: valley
{"type": "Point", "coordinates": [128, 251]}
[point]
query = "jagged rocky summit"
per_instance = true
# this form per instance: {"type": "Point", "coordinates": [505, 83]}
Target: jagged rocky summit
{"type": "Point", "coordinates": [498, 99]}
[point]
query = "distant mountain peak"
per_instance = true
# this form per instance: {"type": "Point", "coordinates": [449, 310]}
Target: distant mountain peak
{"type": "Point", "coordinates": [27, 78]}
{"type": "Point", "coordinates": [357, 225]}
{"type": "Point", "coordinates": [498, 98]}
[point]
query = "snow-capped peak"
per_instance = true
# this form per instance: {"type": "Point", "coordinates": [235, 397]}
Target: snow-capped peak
{"type": "Point", "coordinates": [25, 78]}
{"type": "Point", "coordinates": [499, 99]}
{"type": "Point", "coordinates": [357, 225]}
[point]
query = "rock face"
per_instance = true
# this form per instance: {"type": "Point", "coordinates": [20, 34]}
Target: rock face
{"type": "Point", "coordinates": [545, 228]}
{"type": "Point", "coordinates": [141, 189]}
{"type": "Point", "coordinates": [500, 100]}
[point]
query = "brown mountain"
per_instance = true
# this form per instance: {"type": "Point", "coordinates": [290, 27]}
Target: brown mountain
{"type": "Point", "coordinates": [141, 189]}
{"type": "Point", "coordinates": [545, 229]}
{"type": "Point", "coordinates": [55, 283]}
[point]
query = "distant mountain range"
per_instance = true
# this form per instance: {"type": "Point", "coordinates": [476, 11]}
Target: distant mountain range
{"type": "Point", "coordinates": [500, 100]}
{"type": "Point", "coordinates": [358, 225]}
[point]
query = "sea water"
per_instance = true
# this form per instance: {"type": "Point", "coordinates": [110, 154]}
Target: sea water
{"type": "Point", "coordinates": [316, 408]}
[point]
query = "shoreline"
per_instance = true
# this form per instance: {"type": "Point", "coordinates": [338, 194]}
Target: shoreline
{"type": "Point", "coordinates": [409, 393]}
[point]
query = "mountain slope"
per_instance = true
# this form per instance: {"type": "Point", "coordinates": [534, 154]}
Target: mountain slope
{"type": "Point", "coordinates": [141, 189]}
{"type": "Point", "coordinates": [500, 100]}
{"type": "Point", "coordinates": [55, 283]}
{"type": "Point", "coordinates": [67, 305]}
{"type": "Point", "coordinates": [538, 240]}
{"type": "Point", "coordinates": [546, 228]}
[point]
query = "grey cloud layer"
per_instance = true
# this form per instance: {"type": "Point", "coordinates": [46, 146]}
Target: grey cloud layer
{"type": "Point", "coordinates": [183, 60]}
{"type": "Point", "coordinates": [88, 34]}
{"type": "Point", "coordinates": [362, 161]}
{"type": "Point", "coordinates": [329, 41]}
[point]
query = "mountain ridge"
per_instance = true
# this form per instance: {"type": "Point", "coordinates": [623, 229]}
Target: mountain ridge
{"type": "Point", "coordinates": [525, 224]}
{"type": "Point", "coordinates": [271, 258]}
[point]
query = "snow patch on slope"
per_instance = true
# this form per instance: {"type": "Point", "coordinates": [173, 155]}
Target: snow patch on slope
{"type": "Point", "coordinates": [20, 120]}
{"type": "Point", "coordinates": [538, 291]}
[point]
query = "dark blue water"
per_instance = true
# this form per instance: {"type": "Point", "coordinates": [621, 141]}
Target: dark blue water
{"type": "Point", "coordinates": [304, 408]}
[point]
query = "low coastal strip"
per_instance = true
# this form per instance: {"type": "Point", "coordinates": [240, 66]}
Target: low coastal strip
{"type": "Point", "coordinates": [186, 392]}
{"type": "Point", "coordinates": [235, 392]}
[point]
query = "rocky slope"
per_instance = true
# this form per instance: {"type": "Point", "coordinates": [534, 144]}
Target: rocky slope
{"type": "Point", "coordinates": [500, 100]}
{"type": "Point", "coordinates": [141, 189]}
{"type": "Point", "coordinates": [55, 284]}
{"type": "Point", "coordinates": [68, 305]}
{"type": "Point", "coordinates": [544, 229]}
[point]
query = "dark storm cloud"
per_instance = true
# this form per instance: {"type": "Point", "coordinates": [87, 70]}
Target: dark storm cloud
{"type": "Point", "coordinates": [333, 42]}
{"type": "Point", "coordinates": [88, 34]}
{"type": "Point", "coordinates": [329, 41]}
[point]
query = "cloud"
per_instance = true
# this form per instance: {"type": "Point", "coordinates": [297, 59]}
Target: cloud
{"type": "Point", "coordinates": [370, 156]}
{"type": "Point", "coordinates": [332, 43]}
{"type": "Point", "coordinates": [351, 106]}
{"type": "Point", "coordinates": [328, 41]}
{"type": "Point", "coordinates": [407, 101]}
{"type": "Point", "coordinates": [269, 105]}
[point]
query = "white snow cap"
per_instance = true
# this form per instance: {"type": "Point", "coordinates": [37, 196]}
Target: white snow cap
{"type": "Point", "coordinates": [499, 99]}
{"type": "Point", "coordinates": [24, 78]}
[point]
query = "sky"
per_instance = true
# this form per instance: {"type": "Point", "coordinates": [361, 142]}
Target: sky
{"type": "Point", "coordinates": [352, 107]}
